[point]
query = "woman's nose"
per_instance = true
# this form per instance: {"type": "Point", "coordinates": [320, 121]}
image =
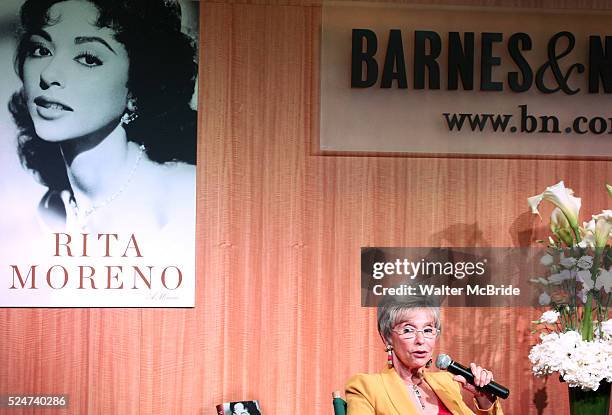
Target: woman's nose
{"type": "Point", "coordinates": [52, 74]}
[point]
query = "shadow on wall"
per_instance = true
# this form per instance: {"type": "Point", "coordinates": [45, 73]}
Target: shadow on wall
{"type": "Point", "coordinates": [460, 234]}
{"type": "Point", "coordinates": [523, 229]}
{"type": "Point", "coordinates": [540, 400]}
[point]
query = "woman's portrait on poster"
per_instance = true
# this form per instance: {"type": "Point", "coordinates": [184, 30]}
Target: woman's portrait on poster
{"type": "Point", "coordinates": [244, 408]}
{"type": "Point", "coordinates": [104, 113]}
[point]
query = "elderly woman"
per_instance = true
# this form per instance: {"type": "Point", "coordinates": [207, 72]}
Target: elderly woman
{"type": "Point", "coordinates": [409, 329]}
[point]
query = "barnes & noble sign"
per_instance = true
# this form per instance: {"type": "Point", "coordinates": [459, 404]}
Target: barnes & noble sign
{"type": "Point", "coordinates": [407, 79]}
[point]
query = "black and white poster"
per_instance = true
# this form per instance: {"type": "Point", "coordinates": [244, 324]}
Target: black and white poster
{"type": "Point", "coordinates": [98, 153]}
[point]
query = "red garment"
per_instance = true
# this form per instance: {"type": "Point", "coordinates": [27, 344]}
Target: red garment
{"type": "Point", "coordinates": [443, 410]}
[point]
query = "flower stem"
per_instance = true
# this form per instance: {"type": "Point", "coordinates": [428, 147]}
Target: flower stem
{"type": "Point", "coordinates": [576, 233]}
{"type": "Point", "coordinates": [587, 319]}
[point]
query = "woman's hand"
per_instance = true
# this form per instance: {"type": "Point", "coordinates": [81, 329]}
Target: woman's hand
{"type": "Point", "coordinates": [482, 377]}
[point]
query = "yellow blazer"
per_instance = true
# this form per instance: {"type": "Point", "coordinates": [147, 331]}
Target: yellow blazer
{"type": "Point", "coordinates": [385, 393]}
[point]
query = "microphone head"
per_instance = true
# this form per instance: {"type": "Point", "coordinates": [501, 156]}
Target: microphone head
{"type": "Point", "coordinates": [443, 361]}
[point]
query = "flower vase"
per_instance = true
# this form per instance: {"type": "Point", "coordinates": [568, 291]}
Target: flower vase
{"type": "Point", "coordinates": [589, 402]}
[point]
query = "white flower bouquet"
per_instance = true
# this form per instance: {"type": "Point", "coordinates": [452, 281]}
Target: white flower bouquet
{"type": "Point", "coordinates": [576, 334]}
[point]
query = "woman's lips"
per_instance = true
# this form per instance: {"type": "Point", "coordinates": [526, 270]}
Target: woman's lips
{"type": "Point", "coordinates": [420, 354]}
{"type": "Point", "coordinates": [50, 109]}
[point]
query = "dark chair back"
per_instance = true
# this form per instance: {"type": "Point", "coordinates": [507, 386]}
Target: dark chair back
{"type": "Point", "coordinates": [339, 403]}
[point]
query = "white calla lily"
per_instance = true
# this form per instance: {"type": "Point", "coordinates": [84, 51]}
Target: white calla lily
{"type": "Point", "coordinates": [588, 234]}
{"type": "Point", "coordinates": [561, 227]}
{"type": "Point", "coordinates": [558, 220]}
{"type": "Point", "coordinates": [578, 258]}
{"type": "Point", "coordinates": [603, 227]}
{"type": "Point", "coordinates": [562, 198]}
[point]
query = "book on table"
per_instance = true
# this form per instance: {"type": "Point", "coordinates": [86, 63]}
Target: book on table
{"type": "Point", "coordinates": [239, 408]}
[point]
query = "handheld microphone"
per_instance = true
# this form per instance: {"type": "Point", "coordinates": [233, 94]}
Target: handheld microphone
{"type": "Point", "coordinates": [444, 362]}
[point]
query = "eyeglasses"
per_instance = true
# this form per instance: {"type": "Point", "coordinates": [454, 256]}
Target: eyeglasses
{"type": "Point", "coordinates": [408, 333]}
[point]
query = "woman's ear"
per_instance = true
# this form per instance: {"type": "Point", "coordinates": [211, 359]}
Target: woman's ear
{"type": "Point", "coordinates": [385, 342]}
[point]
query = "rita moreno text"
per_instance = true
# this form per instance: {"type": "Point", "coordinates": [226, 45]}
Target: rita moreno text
{"type": "Point", "coordinates": [90, 261]}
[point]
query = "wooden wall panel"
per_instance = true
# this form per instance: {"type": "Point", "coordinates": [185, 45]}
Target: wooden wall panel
{"type": "Point", "coordinates": [279, 231]}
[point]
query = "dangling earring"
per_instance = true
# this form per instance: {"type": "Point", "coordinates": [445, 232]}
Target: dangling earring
{"type": "Point", "coordinates": [128, 117]}
{"type": "Point", "coordinates": [130, 112]}
{"type": "Point", "coordinates": [389, 350]}
{"type": "Point", "coordinates": [429, 363]}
